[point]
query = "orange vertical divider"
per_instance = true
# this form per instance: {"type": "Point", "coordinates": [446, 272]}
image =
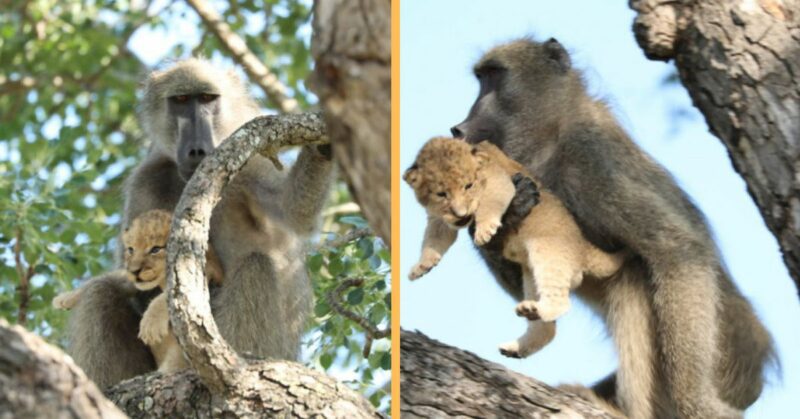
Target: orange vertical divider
{"type": "Point", "coordinates": [395, 322]}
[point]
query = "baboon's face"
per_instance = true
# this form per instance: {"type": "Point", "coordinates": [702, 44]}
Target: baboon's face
{"type": "Point", "coordinates": [485, 120]}
{"type": "Point", "coordinates": [519, 83]}
{"type": "Point", "coordinates": [195, 117]}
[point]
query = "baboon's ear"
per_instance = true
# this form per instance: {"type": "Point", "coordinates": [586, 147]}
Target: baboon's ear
{"type": "Point", "coordinates": [556, 53]}
{"type": "Point", "coordinates": [411, 176]}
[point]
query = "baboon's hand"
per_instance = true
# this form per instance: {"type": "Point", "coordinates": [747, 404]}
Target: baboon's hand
{"type": "Point", "coordinates": [485, 230]}
{"type": "Point", "coordinates": [153, 327]}
{"type": "Point", "coordinates": [426, 263]}
{"type": "Point", "coordinates": [524, 200]}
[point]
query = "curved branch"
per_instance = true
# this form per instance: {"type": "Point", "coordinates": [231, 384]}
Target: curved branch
{"type": "Point", "coordinates": [255, 69]}
{"type": "Point", "coordinates": [190, 313]}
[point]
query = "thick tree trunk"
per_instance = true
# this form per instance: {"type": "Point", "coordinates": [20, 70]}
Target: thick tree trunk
{"type": "Point", "coordinates": [440, 381]}
{"type": "Point", "coordinates": [352, 50]}
{"type": "Point", "coordinates": [740, 62]}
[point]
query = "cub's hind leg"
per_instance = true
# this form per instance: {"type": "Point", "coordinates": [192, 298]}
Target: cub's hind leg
{"type": "Point", "coordinates": [537, 335]}
{"type": "Point", "coordinates": [555, 271]}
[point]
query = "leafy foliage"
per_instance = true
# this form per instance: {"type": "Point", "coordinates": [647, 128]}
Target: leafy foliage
{"type": "Point", "coordinates": [68, 137]}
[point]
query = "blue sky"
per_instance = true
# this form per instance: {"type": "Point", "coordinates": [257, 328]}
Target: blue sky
{"type": "Point", "coordinates": [458, 302]}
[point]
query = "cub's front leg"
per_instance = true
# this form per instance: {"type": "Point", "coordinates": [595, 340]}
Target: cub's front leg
{"type": "Point", "coordinates": [155, 321]}
{"type": "Point", "coordinates": [493, 202]}
{"type": "Point", "coordinates": [438, 238]}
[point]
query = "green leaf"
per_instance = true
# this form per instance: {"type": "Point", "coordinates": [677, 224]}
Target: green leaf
{"type": "Point", "coordinates": [386, 361]}
{"type": "Point", "coordinates": [322, 308]}
{"type": "Point", "coordinates": [326, 360]}
{"type": "Point", "coordinates": [335, 266]}
{"type": "Point", "coordinates": [355, 297]}
{"type": "Point", "coordinates": [365, 248]}
{"type": "Point", "coordinates": [315, 262]}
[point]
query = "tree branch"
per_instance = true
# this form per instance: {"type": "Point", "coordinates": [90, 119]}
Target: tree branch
{"type": "Point", "coordinates": [190, 313]}
{"type": "Point", "coordinates": [222, 383]}
{"type": "Point", "coordinates": [24, 273]}
{"type": "Point", "coordinates": [354, 234]}
{"type": "Point", "coordinates": [352, 77]}
{"type": "Point", "coordinates": [436, 380]}
{"type": "Point", "coordinates": [740, 62]}
{"type": "Point", "coordinates": [334, 298]}
{"type": "Point", "coordinates": [255, 69]}
{"type": "Point", "coordinates": [40, 381]}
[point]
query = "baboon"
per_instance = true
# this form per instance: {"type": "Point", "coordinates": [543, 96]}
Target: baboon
{"type": "Point", "coordinates": [461, 184]}
{"type": "Point", "coordinates": [689, 343]}
{"type": "Point", "coordinates": [258, 229]}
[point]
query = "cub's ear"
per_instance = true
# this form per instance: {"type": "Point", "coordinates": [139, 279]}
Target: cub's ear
{"type": "Point", "coordinates": [411, 176]}
{"type": "Point", "coordinates": [480, 155]}
{"type": "Point", "coordinates": [556, 54]}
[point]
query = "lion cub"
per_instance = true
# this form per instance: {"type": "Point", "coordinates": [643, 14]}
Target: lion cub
{"type": "Point", "coordinates": [145, 240]}
{"type": "Point", "coordinates": [460, 184]}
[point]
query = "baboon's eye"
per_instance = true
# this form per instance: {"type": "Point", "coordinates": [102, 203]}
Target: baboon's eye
{"type": "Point", "coordinates": [130, 250]}
{"type": "Point", "coordinates": [155, 249]}
{"type": "Point", "coordinates": [207, 97]}
{"type": "Point", "coordinates": [468, 186]}
{"type": "Point", "coordinates": [180, 98]}
{"type": "Point", "coordinates": [441, 194]}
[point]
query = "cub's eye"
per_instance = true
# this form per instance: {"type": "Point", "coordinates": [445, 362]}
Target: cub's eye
{"type": "Point", "coordinates": [155, 249]}
{"type": "Point", "coordinates": [207, 97]}
{"type": "Point", "coordinates": [441, 194]}
{"type": "Point", "coordinates": [180, 98]}
{"type": "Point", "coordinates": [468, 186]}
{"type": "Point", "coordinates": [130, 250]}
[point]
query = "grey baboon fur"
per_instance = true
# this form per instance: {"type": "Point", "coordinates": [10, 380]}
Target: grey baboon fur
{"type": "Point", "coordinates": [258, 229]}
{"type": "Point", "coordinates": [689, 343]}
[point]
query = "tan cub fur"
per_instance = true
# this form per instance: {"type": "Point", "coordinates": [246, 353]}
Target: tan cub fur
{"type": "Point", "coordinates": [145, 266]}
{"type": "Point", "coordinates": [459, 184]}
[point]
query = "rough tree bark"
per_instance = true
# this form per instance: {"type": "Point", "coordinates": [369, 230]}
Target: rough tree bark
{"type": "Point", "coordinates": [38, 380]}
{"type": "Point", "coordinates": [740, 62]}
{"type": "Point", "coordinates": [352, 50]}
{"type": "Point", "coordinates": [221, 384]}
{"type": "Point", "coordinates": [440, 381]}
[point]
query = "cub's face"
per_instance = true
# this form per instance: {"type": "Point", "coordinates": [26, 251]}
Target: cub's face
{"type": "Point", "coordinates": [447, 180]}
{"type": "Point", "coordinates": [145, 243]}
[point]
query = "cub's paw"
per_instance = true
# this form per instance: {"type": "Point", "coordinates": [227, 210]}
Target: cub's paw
{"type": "Point", "coordinates": [152, 329]}
{"type": "Point", "coordinates": [484, 231]}
{"type": "Point", "coordinates": [528, 310]}
{"type": "Point", "coordinates": [423, 267]}
{"type": "Point", "coordinates": [66, 300]}
{"type": "Point", "coordinates": [545, 311]}
{"type": "Point", "coordinates": [513, 350]}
